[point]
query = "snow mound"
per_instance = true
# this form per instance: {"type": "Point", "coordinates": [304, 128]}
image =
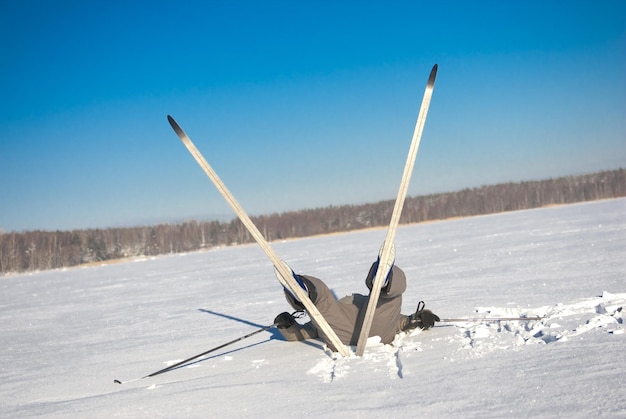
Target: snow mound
{"type": "Point", "coordinates": [603, 314]}
{"type": "Point", "coordinates": [378, 358]}
{"type": "Point", "coordinates": [476, 338]}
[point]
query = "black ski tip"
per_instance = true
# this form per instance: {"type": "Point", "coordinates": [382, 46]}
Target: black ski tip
{"type": "Point", "coordinates": [175, 126]}
{"type": "Point", "coordinates": [433, 75]}
{"type": "Point", "coordinates": [117, 381]}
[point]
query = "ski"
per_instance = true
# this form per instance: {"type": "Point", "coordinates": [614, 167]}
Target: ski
{"type": "Point", "coordinates": [285, 274]}
{"type": "Point", "coordinates": [387, 252]}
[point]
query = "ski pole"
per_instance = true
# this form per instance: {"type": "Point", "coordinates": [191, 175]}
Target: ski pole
{"type": "Point", "coordinates": [489, 319]}
{"type": "Point", "coordinates": [178, 364]}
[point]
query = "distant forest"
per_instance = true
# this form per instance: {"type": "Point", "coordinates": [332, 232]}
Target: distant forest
{"type": "Point", "coordinates": [41, 250]}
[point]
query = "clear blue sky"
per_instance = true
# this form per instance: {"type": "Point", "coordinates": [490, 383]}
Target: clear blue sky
{"type": "Point", "coordinates": [295, 104]}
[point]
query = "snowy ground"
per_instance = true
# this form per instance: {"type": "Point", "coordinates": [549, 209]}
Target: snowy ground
{"type": "Point", "coordinates": [66, 335]}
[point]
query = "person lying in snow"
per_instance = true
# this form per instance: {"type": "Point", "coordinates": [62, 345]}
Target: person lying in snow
{"type": "Point", "coordinates": [345, 316]}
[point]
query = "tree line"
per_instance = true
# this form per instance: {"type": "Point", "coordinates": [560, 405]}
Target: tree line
{"type": "Point", "coordinates": [41, 250]}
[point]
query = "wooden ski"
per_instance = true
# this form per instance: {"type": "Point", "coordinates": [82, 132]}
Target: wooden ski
{"type": "Point", "coordinates": [285, 274]}
{"type": "Point", "coordinates": [387, 253]}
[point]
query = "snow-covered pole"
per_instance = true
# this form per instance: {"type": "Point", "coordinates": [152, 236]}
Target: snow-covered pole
{"type": "Point", "coordinates": [489, 319]}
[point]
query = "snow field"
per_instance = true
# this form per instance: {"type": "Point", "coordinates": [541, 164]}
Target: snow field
{"type": "Point", "coordinates": [67, 334]}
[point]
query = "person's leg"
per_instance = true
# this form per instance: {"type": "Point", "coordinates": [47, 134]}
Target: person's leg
{"type": "Point", "coordinates": [387, 315]}
{"type": "Point", "coordinates": [340, 316]}
{"type": "Point", "coordinates": [306, 284]}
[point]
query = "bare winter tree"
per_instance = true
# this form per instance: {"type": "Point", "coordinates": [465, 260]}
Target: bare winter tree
{"type": "Point", "coordinates": [40, 250]}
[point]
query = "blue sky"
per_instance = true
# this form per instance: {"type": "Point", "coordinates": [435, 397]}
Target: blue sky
{"type": "Point", "coordinates": [295, 104]}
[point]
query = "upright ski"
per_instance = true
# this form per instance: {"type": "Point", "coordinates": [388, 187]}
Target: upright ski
{"type": "Point", "coordinates": [284, 274]}
{"type": "Point", "coordinates": [387, 252]}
